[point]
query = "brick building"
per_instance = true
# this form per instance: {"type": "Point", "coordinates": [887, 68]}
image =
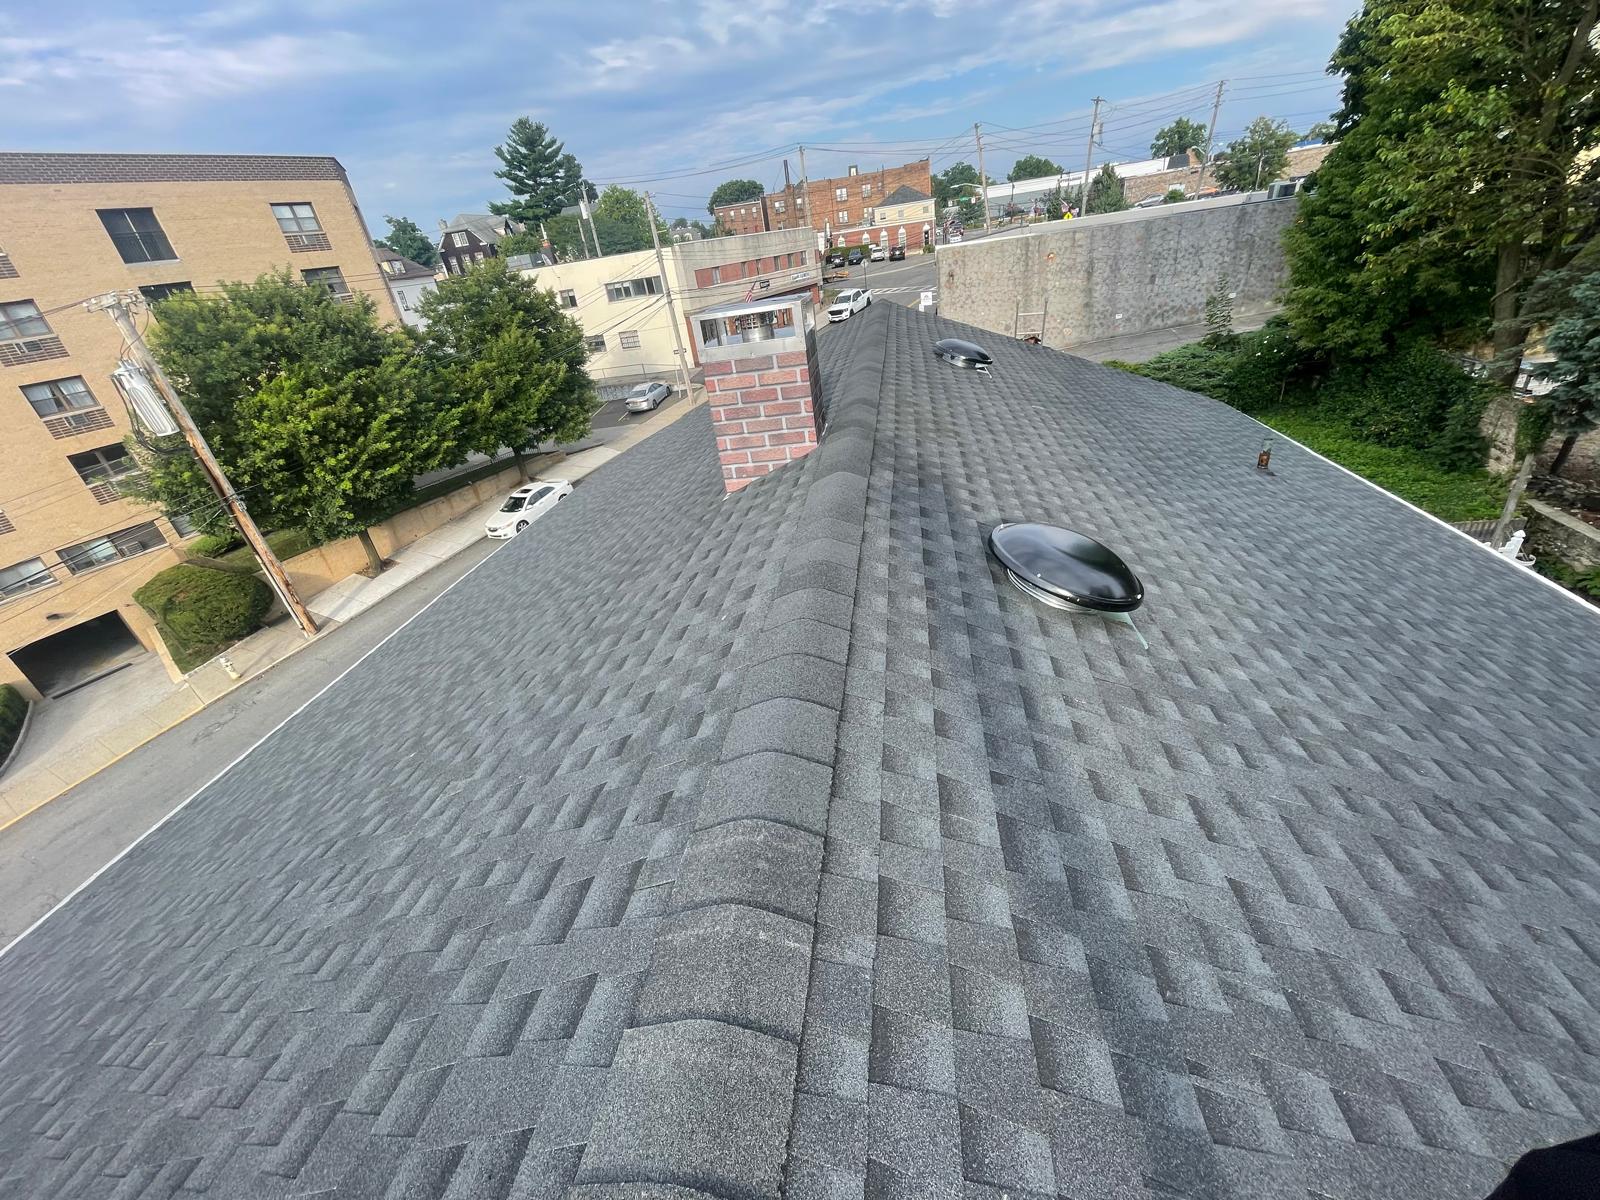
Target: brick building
{"type": "Point", "coordinates": [72, 546]}
{"type": "Point", "coordinates": [846, 203]}
{"type": "Point", "coordinates": [745, 216]}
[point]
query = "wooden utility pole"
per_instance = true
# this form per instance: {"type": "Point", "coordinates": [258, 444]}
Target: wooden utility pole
{"type": "Point", "coordinates": [114, 304]}
{"type": "Point", "coordinates": [1519, 483]}
{"type": "Point", "coordinates": [805, 189]}
{"type": "Point", "coordinates": [983, 179]}
{"type": "Point", "coordinates": [1211, 136]}
{"type": "Point", "coordinates": [1088, 156]}
{"type": "Point", "coordinates": [672, 303]}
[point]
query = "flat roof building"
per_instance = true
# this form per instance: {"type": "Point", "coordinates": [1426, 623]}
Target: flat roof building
{"type": "Point", "coordinates": [72, 546]}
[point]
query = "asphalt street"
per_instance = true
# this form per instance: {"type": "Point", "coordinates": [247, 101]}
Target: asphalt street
{"type": "Point", "coordinates": [896, 282]}
{"type": "Point", "coordinates": [56, 848]}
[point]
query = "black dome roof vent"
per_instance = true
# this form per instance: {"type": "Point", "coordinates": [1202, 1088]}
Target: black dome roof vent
{"type": "Point", "coordinates": [963, 354]}
{"type": "Point", "coordinates": [1066, 570]}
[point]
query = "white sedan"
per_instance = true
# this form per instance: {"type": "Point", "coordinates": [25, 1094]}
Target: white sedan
{"type": "Point", "coordinates": [849, 302]}
{"type": "Point", "coordinates": [647, 397]}
{"type": "Point", "coordinates": [526, 505]}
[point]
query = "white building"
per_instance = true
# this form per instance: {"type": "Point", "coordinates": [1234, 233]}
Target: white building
{"type": "Point", "coordinates": [408, 282]}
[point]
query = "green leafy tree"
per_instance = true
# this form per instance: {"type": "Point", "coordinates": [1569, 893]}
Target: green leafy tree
{"type": "Point", "coordinates": [527, 241]}
{"type": "Point", "coordinates": [540, 175]}
{"type": "Point", "coordinates": [222, 351]}
{"type": "Point", "coordinates": [1177, 138]}
{"type": "Point", "coordinates": [407, 239]}
{"type": "Point", "coordinates": [734, 191]}
{"type": "Point", "coordinates": [1323, 131]}
{"type": "Point", "coordinates": [1175, 195]}
{"type": "Point", "coordinates": [1031, 166]}
{"type": "Point", "coordinates": [1461, 174]}
{"type": "Point", "coordinates": [511, 360]}
{"type": "Point", "coordinates": [1106, 192]}
{"type": "Point", "coordinates": [1052, 206]}
{"type": "Point", "coordinates": [955, 186]}
{"type": "Point", "coordinates": [1257, 158]}
{"type": "Point", "coordinates": [337, 456]}
{"type": "Point", "coordinates": [621, 220]}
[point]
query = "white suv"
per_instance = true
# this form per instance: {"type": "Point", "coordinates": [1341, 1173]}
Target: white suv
{"type": "Point", "coordinates": [849, 302]}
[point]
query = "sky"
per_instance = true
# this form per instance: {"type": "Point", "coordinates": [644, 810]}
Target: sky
{"type": "Point", "coordinates": [674, 97]}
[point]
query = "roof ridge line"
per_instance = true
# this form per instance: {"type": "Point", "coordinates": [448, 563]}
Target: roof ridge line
{"type": "Point", "coordinates": [703, 1096]}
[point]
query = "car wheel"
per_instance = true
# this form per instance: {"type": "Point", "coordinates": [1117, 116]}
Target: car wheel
{"type": "Point", "coordinates": [521, 525]}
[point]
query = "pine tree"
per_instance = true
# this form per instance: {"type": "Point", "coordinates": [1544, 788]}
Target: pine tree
{"type": "Point", "coordinates": [1105, 192]}
{"type": "Point", "coordinates": [540, 175]}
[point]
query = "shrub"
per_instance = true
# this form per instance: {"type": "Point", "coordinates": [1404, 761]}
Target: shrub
{"type": "Point", "coordinates": [1583, 580]}
{"type": "Point", "coordinates": [13, 711]}
{"type": "Point", "coordinates": [1196, 367]}
{"type": "Point", "coordinates": [201, 612]}
{"type": "Point", "coordinates": [1414, 397]}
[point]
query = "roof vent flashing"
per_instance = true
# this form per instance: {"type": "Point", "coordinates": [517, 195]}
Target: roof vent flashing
{"type": "Point", "coordinates": [1067, 570]}
{"type": "Point", "coordinates": [962, 353]}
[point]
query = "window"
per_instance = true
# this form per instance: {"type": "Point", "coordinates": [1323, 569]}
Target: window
{"type": "Point", "coordinates": [136, 234]}
{"type": "Point", "coordinates": [103, 463]}
{"type": "Point", "coordinates": [777, 205]}
{"type": "Point", "coordinates": [628, 339]}
{"type": "Point", "coordinates": [23, 577]}
{"type": "Point", "coordinates": [799, 201]}
{"type": "Point", "coordinates": [21, 319]}
{"type": "Point", "coordinates": [59, 395]}
{"type": "Point", "coordinates": [155, 293]}
{"type": "Point", "coordinates": [326, 277]}
{"type": "Point", "coordinates": [627, 289]}
{"type": "Point", "coordinates": [297, 218]}
{"type": "Point", "coordinates": [844, 216]}
{"type": "Point", "coordinates": [8, 269]}
{"type": "Point", "coordinates": [568, 298]}
{"type": "Point", "coordinates": [595, 344]}
{"type": "Point", "coordinates": [97, 552]}
{"type": "Point", "coordinates": [183, 525]}
{"type": "Point", "coordinates": [866, 189]}
{"type": "Point", "coordinates": [458, 240]}
{"type": "Point", "coordinates": [841, 193]}
{"type": "Point", "coordinates": [5, 524]}
{"type": "Point", "coordinates": [405, 301]}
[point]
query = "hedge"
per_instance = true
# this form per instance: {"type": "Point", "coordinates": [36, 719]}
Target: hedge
{"type": "Point", "coordinates": [201, 611]}
{"type": "Point", "coordinates": [13, 712]}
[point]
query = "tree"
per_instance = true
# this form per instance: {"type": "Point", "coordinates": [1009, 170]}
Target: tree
{"type": "Point", "coordinates": [1105, 192]}
{"type": "Point", "coordinates": [1052, 206]}
{"type": "Point", "coordinates": [1459, 177]}
{"type": "Point", "coordinates": [512, 361]}
{"type": "Point", "coordinates": [1177, 138]}
{"type": "Point", "coordinates": [329, 365]}
{"type": "Point", "coordinates": [1031, 166]}
{"type": "Point", "coordinates": [407, 239]}
{"type": "Point", "coordinates": [1175, 195]}
{"type": "Point", "coordinates": [1258, 157]}
{"type": "Point", "coordinates": [1566, 303]}
{"type": "Point", "coordinates": [621, 222]}
{"type": "Point", "coordinates": [734, 191]}
{"type": "Point", "coordinates": [1322, 131]}
{"type": "Point", "coordinates": [541, 176]}
{"type": "Point", "coordinates": [528, 241]}
{"type": "Point", "coordinates": [336, 456]}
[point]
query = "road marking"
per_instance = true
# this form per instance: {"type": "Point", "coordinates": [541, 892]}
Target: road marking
{"type": "Point", "coordinates": [67, 899]}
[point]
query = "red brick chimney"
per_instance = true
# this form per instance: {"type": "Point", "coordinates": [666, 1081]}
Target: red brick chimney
{"type": "Point", "coordinates": [762, 384]}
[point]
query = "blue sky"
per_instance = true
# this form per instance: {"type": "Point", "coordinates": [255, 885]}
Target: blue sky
{"type": "Point", "coordinates": [413, 97]}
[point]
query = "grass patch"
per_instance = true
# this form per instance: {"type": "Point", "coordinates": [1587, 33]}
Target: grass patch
{"type": "Point", "coordinates": [13, 712]}
{"type": "Point", "coordinates": [1451, 495]}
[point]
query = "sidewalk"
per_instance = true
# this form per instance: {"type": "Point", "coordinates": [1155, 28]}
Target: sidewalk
{"type": "Point", "coordinates": [74, 737]}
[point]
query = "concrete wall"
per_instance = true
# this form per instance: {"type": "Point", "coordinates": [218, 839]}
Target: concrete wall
{"type": "Point", "coordinates": [1120, 273]}
{"type": "Point", "coordinates": [1556, 534]}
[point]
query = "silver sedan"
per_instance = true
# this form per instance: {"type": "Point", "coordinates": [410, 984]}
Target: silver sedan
{"type": "Point", "coordinates": [648, 396]}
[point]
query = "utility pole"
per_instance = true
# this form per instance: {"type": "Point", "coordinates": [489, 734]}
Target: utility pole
{"type": "Point", "coordinates": [805, 191]}
{"type": "Point", "coordinates": [585, 211]}
{"type": "Point", "coordinates": [672, 303]}
{"type": "Point", "coordinates": [113, 304]}
{"type": "Point", "coordinates": [983, 179]}
{"type": "Point", "coordinates": [1088, 156]}
{"type": "Point", "coordinates": [1519, 484]}
{"type": "Point", "coordinates": [1211, 135]}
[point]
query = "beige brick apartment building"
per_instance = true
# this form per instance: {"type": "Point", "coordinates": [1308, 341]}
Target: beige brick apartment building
{"type": "Point", "coordinates": [72, 549]}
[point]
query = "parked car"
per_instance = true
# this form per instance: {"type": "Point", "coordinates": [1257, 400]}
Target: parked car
{"type": "Point", "coordinates": [855, 258]}
{"type": "Point", "coordinates": [849, 302]}
{"type": "Point", "coordinates": [526, 505]}
{"type": "Point", "coordinates": [648, 396]}
{"type": "Point", "coordinates": [1152, 201]}
{"type": "Point", "coordinates": [897, 253]}
{"type": "Point", "coordinates": [878, 254]}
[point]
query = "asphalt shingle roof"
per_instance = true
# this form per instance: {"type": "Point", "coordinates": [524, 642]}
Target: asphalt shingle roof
{"type": "Point", "coordinates": [704, 847]}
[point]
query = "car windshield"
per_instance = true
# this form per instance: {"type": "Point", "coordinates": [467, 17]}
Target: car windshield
{"type": "Point", "coordinates": [513, 504]}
